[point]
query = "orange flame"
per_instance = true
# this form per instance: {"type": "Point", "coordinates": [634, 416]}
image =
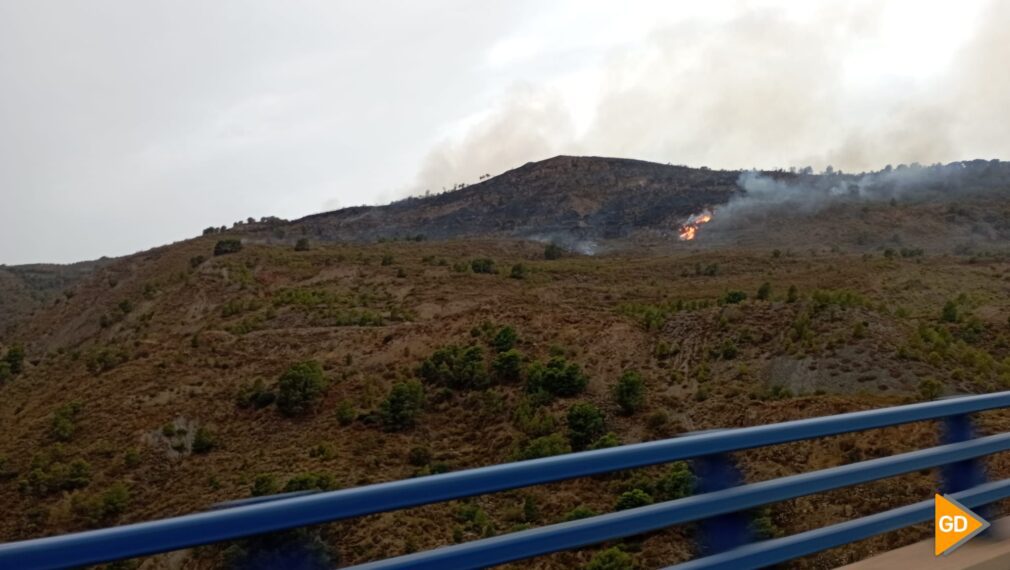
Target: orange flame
{"type": "Point", "coordinates": [689, 230]}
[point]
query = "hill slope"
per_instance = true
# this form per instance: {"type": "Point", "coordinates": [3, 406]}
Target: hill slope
{"type": "Point", "coordinates": [102, 426]}
{"type": "Point", "coordinates": [567, 198]}
{"type": "Point", "coordinates": [155, 388]}
{"type": "Point", "coordinates": [26, 288]}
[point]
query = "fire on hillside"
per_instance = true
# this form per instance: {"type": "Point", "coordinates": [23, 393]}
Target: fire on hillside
{"type": "Point", "coordinates": [689, 229]}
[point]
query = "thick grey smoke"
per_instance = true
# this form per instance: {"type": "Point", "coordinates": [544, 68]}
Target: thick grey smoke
{"type": "Point", "coordinates": [533, 123]}
{"type": "Point", "coordinates": [767, 89]}
{"type": "Point", "coordinates": [764, 194]}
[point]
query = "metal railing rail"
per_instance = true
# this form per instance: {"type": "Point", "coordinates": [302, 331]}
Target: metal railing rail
{"type": "Point", "coordinates": [769, 552]}
{"type": "Point", "coordinates": [566, 536]}
{"type": "Point", "coordinates": [153, 537]}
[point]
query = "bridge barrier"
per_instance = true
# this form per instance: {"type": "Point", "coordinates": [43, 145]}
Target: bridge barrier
{"type": "Point", "coordinates": [720, 497]}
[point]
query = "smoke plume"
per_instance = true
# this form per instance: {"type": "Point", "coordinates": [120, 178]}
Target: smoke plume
{"type": "Point", "coordinates": [767, 89]}
{"type": "Point", "coordinates": [764, 194]}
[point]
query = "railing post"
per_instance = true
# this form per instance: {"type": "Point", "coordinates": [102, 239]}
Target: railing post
{"type": "Point", "coordinates": [962, 475]}
{"type": "Point", "coordinates": [724, 532]}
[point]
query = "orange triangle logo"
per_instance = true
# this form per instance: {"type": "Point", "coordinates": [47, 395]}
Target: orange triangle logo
{"type": "Point", "coordinates": [953, 525]}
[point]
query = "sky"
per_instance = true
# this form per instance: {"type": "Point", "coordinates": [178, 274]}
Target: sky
{"type": "Point", "coordinates": [126, 125]}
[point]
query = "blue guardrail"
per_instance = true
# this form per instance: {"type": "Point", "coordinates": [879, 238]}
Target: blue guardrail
{"type": "Point", "coordinates": [719, 504]}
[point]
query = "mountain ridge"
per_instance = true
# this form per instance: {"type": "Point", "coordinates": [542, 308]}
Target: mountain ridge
{"type": "Point", "coordinates": [597, 197]}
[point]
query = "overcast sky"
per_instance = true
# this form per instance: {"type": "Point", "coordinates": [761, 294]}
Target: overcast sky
{"type": "Point", "coordinates": [128, 124]}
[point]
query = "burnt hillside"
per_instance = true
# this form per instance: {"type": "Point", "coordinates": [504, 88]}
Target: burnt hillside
{"type": "Point", "coordinates": [566, 197]}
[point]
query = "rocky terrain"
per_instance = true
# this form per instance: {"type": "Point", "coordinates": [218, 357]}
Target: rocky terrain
{"type": "Point", "coordinates": [161, 383]}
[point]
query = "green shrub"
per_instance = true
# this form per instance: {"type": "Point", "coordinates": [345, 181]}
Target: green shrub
{"type": "Point", "coordinates": [255, 395]}
{"type": "Point", "coordinates": [633, 499]}
{"type": "Point", "coordinates": [51, 472]}
{"type": "Point", "coordinates": [553, 251]}
{"type": "Point", "coordinates": [949, 313]}
{"type": "Point", "coordinates": [558, 378]}
{"type": "Point", "coordinates": [102, 508]}
{"type": "Point", "coordinates": [302, 244]}
{"type": "Point", "coordinates": [518, 271]}
{"type": "Point", "coordinates": [611, 559]}
{"type": "Point", "coordinates": [532, 421]}
{"type": "Point", "coordinates": [324, 451]}
{"type": "Point", "coordinates": [15, 359]}
{"type": "Point", "coordinates": [204, 440]}
{"type": "Point", "coordinates": [475, 519]}
{"type": "Point", "coordinates": [546, 446]}
{"type": "Point", "coordinates": [263, 485]}
{"type": "Point", "coordinates": [657, 421]}
{"type": "Point", "coordinates": [508, 366]}
{"type": "Point", "coordinates": [310, 482]}
{"type": "Point", "coordinates": [483, 265]}
{"type": "Point", "coordinates": [727, 350]}
{"type": "Point", "coordinates": [300, 387]}
{"type": "Point", "coordinates": [387, 260]}
{"type": "Point", "coordinates": [346, 414]}
{"type": "Point", "coordinates": [419, 456]}
{"type": "Point", "coordinates": [131, 458]}
{"type": "Point", "coordinates": [585, 424]}
{"type": "Point", "coordinates": [762, 525]}
{"type": "Point", "coordinates": [99, 360]}
{"type": "Point", "coordinates": [930, 388]}
{"type": "Point", "coordinates": [629, 392]}
{"type": "Point", "coordinates": [734, 297]}
{"type": "Point", "coordinates": [400, 410]}
{"type": "Point", "coordinates": [580, 512]}
{"type": "Point", "coordinates": [455, 366]}
{"type": "Point", "coordinates": [5, 371]}
{"type": "Point", "coordinates": [764, 292]}
{"type": "Point", "coordinates": [609, 439]}
{"type": "Point", "coordinates": [196, 261]}
{"type": "Point", "coordinates": [777, 392]}
{"type": "Point", "coordinates": [843, 298]}
{"type": "Point", "coordinates": [226, 246]}
{"type": "Point", "coordinates": [64, 421]}
{"type": "Point", "coordinates": [505, 339]}
{"type": "Point", "coordinates": [678, 482]}
{"type": "Point", "coordinates": [793, 295]}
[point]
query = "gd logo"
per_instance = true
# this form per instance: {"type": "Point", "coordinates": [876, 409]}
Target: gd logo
{"type": "Point", "coordinates": [954, 525]}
